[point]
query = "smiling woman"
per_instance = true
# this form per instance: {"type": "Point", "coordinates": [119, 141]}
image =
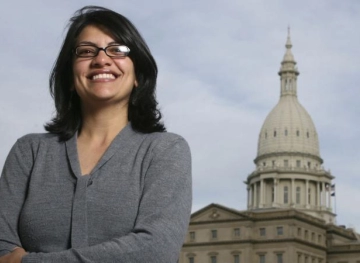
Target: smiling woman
{"type": "Point", "coordinates": [106, 183]}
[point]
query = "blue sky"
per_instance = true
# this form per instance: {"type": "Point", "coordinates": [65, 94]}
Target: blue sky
{"type": "Point", "coordinates": [218, 64]}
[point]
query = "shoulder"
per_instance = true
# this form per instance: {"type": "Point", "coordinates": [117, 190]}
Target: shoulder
{"type": "Point", "coordinates": [26, 148]}
{"type": "Point", "coordinates": [166, 145]}
{"type": "Point", "coordinates": [33, 141]}
{"type": "Point", "coordinates": [37, 138]}
{"type": "Point", "coordinates": [164, 140]}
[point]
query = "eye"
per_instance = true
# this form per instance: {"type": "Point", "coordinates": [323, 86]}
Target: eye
{"type": "Point", "coordinates": [117, 50]}
{"type": "Point", "coordinates": [86, 51]}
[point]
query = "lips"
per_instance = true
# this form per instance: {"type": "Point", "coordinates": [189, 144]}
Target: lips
{"type": "Point", "coordinates": [101, 75]}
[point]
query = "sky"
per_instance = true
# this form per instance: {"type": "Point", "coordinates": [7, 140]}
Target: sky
{"type": "Point", "coordinates": [218, 62]}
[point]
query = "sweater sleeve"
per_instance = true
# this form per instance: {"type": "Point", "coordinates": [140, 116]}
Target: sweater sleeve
{"type": "Point", "coordinates": [13, 187]}
{"type": "Point", "coordinates": [162, 220]}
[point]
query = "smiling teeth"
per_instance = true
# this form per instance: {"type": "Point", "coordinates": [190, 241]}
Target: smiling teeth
{"type": "Point", "coordinates": [103, 76]}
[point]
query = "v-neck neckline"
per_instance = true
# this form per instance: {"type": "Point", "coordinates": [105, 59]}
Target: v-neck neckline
{"type": "Point", "coordinates": [120, 141]}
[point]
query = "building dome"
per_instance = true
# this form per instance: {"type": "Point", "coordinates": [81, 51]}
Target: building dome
{"type": "Point", "coordinates": [288, 129]}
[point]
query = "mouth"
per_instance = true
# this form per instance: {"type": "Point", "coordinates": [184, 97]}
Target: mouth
{"type": "Point", "coordinates": [103, 76]}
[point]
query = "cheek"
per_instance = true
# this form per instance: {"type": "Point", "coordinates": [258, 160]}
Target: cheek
{"type": "Point", "coordinates": [79, 69]}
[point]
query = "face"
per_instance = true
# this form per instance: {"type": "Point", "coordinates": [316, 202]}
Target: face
{"type": "Point", "coordinates": [102, 79]}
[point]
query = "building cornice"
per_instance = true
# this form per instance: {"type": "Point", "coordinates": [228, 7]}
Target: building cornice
{"type": "Point", "coordinates": [277, 154]}
{"type": "Point", "coordinates": [253, 242]}
{"type": "Point", "coordinates": [293, 170]}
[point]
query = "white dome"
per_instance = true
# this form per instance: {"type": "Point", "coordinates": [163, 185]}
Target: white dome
{"type": "Point", "coordinates": [288, 129]}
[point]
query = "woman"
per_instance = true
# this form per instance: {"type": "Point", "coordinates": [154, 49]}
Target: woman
{"type": "Point", "coordinates": [107, 183]}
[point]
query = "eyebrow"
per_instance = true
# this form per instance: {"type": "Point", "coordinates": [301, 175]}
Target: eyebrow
{"type": "Point", "coordinates": [93, 44]}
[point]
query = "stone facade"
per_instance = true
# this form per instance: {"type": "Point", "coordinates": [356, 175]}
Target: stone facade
{"type": "Point", "coordinates": [218, 234]}
{"type": "Point", "coordinates": [289, 216]}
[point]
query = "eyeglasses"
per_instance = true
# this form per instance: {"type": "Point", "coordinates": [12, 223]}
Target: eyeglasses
{"type": "Point", "coordinates": [113, 51]}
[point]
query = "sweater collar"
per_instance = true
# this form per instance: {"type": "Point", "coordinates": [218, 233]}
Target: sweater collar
{"type": "Point", "coordinates": [123, 140]}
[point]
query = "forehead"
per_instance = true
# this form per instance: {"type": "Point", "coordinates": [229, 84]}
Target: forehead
{"type": "Point", "coordinates": [96, 35]}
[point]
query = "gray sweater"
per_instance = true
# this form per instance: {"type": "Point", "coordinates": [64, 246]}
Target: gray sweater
{"type": "Point", "coordinates": [134, 207]}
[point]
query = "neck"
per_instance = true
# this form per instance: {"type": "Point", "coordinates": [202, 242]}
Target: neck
{"type": "Point", "coordinates": [103, 124]}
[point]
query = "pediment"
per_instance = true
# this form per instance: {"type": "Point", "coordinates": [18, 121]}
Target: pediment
{"type": "Point", "coordinates": [216, 212]}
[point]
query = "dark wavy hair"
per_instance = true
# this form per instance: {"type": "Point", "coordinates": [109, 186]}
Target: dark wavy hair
{"type": "Point", "coordinates": [142, 110]}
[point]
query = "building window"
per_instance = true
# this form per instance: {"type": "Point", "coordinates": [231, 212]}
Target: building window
{"type": "Point", "coordinates": [279, 258]}
{"type": "Point", "coordinates": [213, 234]}
{"type": "Point", "coordinates": [298, 163]}
{"type": "Point", "coordinates": [286, 132]}
{"type": "Point", "coordinates": [192, 236]}
{"type": "Point", "coordinates": [286, 163]}
{"type": "Point", "coordinates": [236, 232]}
{"type": "Point", "coordinates": [298, 195]}
{"type": "Point", "coordinates": [313, 237]}
{"type": "Point", "coordinates": [274, 133]}
{"type": "Point", "coordinates": [272, 194]}
{"type": "Point", "coordinates": [265, 135]}
{"type": "Point", "coordinates": [299, 231]}
{"type": "Point", "coordinates": [309, 164]}
{"type": "Point", "coordinates": [264, 164]}
{"type": "Point", "coordinates": [297, 133]}
{"type": "Point", "coordinates": [262, 259]}
{"type": "Point", "coordinates": [306, 235]}
{"type": "Point", "coordinates": [236, 258]}
{"type": "Point", "coordinates": [279, 230]}
{"type": "Point", "coordinates": [286, 194]}
{"type": "Point", "coordinates": [191, 260]}
{"type": "Point", "coordinates": [320, 241]}
{"type": "Point", "coordinates": [273, 163]}
{"type": "Point", "coordinates": [309, 196]}
{"type": "Point", "coordinates": [262, 231]}
{"type": "Point", "coordinates": [307, 134]}
{"type": "Point", "coordinates": [213, 259]}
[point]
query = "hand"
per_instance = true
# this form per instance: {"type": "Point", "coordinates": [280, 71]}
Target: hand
{"type": "Point", "coordinates": [14, 257]}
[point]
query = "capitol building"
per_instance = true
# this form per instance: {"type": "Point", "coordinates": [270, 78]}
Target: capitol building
{"type": "Point", "coordinates": [290, 217]}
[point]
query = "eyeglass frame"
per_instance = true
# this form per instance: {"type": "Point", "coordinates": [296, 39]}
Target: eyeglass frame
{"type": "Point", "coordinates": [98, 49]}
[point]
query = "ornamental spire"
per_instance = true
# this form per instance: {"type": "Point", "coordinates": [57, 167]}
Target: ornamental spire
{"type": "Point", "coordinates": [288, 57]}
{"type": "Point", "coordinates": [288, 41]}
{"type": "Point", "coordinates": [288, 71]}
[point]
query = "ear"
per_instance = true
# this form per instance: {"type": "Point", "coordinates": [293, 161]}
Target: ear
{"type": "Point", "coordinates": [136, 83]}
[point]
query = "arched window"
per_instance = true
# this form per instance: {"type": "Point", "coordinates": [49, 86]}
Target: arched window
{"type": "Point", "coordinates": [286, 194]}
{"type": "Point", "coordinates": [298, 195]}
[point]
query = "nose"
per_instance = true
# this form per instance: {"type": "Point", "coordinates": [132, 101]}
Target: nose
{"type": "Point", "coordinates": [101, 59]}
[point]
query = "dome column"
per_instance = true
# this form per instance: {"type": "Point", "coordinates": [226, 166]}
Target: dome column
{"type": "Point", "coordinates": [318, 194]}
{"type": "Point", "coordinates": [255, 195]}
{"type": "Point", "coordinates": [249, 192]}
{"type": "Point", "coordinates": [262, 191]}
{"type": "Point", "coordinates": [275, 193]}
{"type": "Point", "coordinates": [323, 199]}
{"type": "Point", "coordinates": [292, 192]}
{"type": "Point", "coordinates": [307, 193]}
